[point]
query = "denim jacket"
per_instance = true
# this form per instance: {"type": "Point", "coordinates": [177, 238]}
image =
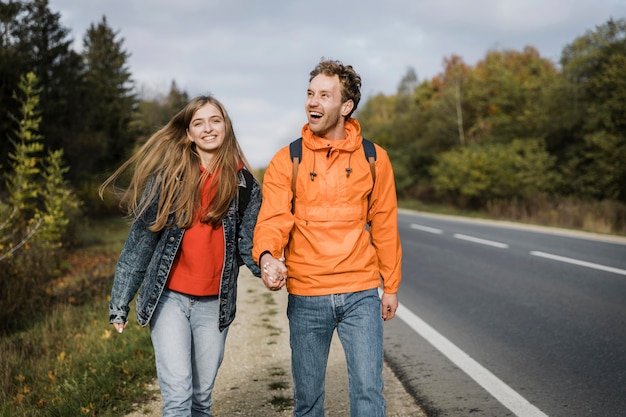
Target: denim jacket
{"type": "Point", "coordinates": [147, 257]}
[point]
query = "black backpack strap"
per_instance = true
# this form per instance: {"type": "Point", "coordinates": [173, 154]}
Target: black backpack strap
{"type": "Point", "coordinates": [295, 152]}
{"type": "Point", "coordinates": [370, 155]}
{"type": "Point", "coordinates": [295, 149]}
{"type": "Point", "coordinates": [245, 193]}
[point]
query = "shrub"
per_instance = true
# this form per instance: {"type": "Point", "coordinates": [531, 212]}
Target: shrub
{"type": "Point", "coordinates": [35, 215]}
{"type": "Point", "coordinates": [475, 175]}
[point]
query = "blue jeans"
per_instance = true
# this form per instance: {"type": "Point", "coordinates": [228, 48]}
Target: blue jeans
{"type": "Point", "coordinates": [189, 349]}
{"type": "Point", "coordinates": [312, 322]}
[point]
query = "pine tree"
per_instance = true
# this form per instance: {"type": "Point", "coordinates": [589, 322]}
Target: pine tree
{"type": "Point", "coordinates": [39, 201]}
{"type": "Point", "coordinates": [110, 97]}
{"type": "Point", "coordinates": [33, 39]}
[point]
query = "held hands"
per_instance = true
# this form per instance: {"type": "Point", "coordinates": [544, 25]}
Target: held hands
{"type": "Point", "coordinates": [273, 272]}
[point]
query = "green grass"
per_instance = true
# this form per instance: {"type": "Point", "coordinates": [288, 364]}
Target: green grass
{"type": "Point", "coordinates": [281, 402]}
{"type": "Point", "coordinates": [411, 204]}
{"type": "Point", "coordinates": [72, 363]}
{"type": "Point", "coordinates": [276, 371]}
{"type": "Point", "coordinates": [605, 217]}
{"type": "Point", "coordinates": [269, 299]}
{"type": "Point", "coordinates": [280, 385]}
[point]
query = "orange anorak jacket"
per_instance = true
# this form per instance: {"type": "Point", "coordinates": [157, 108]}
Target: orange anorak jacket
{"type": "Point", "coordinates": [327, 246]}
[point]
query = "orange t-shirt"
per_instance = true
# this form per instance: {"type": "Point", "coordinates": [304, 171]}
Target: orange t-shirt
{"type": "Point", "coordinates": [197, 269]}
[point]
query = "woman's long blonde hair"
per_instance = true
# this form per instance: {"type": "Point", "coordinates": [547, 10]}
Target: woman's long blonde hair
{"type": "Point", "coordinates": [172, 159]}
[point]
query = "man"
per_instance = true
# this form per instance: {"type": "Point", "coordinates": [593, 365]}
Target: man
{"type": "Point", "coordinates": [333, 265]}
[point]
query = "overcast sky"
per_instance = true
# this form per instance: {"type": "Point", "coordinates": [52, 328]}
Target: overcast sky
{"type": "Point", "coordinates": [255, 55]}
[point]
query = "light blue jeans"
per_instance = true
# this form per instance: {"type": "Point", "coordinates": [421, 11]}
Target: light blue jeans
{"type": "Point", "coordinates": [189, 349]}
{"type": "Point", "coordinates": [312, 322]}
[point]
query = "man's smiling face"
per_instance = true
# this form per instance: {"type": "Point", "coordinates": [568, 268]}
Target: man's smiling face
{"type": "Point", "coordinates": [325, 110]}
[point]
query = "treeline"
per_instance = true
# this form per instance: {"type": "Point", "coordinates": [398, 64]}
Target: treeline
{"type": "Point", "coordinates": [86, 98]}
{"type": "Point", "coordinates": [514, 130]}
{"type": "Point", "coordinates": [67, 118]}
{"type": "Point", "coordinates": [89, 101]}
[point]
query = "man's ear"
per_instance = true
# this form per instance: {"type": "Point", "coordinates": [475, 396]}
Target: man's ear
{"type": "Point", "coordinates": [347, 107]}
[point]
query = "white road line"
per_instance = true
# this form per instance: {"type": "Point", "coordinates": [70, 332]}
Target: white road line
{"type": "Point", "coordinates": [426, 229]}
{"type": "Point", "coordinates": [498, 389]}
{"type": "Point", "coordinates": [578, 262]}
{"type": "Point", "coordinates": [481, 241]}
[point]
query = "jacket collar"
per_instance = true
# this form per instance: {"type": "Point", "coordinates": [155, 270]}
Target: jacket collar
{"type": "Point", "coordinates": [351, 142]}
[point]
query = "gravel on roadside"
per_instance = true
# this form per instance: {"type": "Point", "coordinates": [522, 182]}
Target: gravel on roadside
{"type": "Point", "coordinates": [255, 377]}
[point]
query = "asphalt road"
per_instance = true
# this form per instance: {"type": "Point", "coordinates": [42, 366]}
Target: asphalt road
{"type": "Point", "coordinates": [500, 320]}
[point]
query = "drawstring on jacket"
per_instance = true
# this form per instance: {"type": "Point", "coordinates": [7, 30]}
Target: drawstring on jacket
{"type": "Point", "coordinates": [349, 169]}
{"type": "Point", "coordinates": [313, 174]}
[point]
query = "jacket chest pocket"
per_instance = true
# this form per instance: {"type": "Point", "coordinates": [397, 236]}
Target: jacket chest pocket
{"type": "Point", "coordinates": [333, 213]}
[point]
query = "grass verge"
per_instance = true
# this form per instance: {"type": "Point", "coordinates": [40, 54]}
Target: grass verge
{"type": "Point", "coordinates": [71, 363]}
{"type": "Point", "coordinates": [604, 217]}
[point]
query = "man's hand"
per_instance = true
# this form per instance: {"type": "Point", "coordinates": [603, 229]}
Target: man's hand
{"type": "Point", "coordinates": [389, 306]}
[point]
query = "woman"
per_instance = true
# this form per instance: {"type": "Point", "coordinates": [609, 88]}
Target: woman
{"type": "Point", "coordinates": [187, 235]}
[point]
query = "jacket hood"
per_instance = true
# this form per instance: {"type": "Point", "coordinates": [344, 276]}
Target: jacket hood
{"type": "Point", "coordinates": [352, 140]}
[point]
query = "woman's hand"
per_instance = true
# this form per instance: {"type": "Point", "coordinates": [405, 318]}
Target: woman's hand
{"type": "Point", "coordinates": [119, 327]}
{"type": "Point", "coordinates": [273, 272]}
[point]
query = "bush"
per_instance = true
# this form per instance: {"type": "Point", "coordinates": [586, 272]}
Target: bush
{"type": "Point", "coordinates": [472, 176]}
{"type": "Point", "coordinates": [35, 217]}
{"type": "Point", "coordinates": [70, 362]}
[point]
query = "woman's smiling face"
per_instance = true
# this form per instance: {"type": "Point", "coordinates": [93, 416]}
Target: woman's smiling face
{"type": "Point", "coordinates": [207, 130]}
